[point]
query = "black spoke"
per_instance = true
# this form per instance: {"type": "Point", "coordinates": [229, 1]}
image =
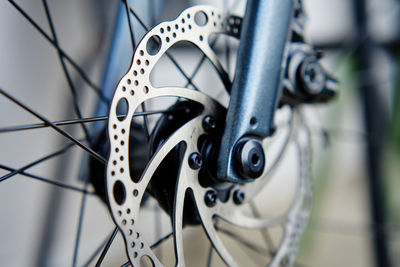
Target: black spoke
{"type": "Point", "coordinates": [264, 232]}
{"type": "Point", "coordinates": [37, 162]}
{"type": "Point", "coordinates": [79, 70]}
{"type": "Point", "coordinates": [66, 72]}
{"type": "Point", "coordinates": [145, 121]}
{"type": "Point", "coordinates": [97, 251]}
{"type": "Point", "coordinates": [210, 255]}
{"type": "Point", "coordinates": [55, 127]}
{"type": "Point", "coordinates": [161, 240]}
{"type": "Point", "coordinates": [80, 222]}
{"type": "Point", "coordinates": [168, 54]}
{"type": "Point", "coordinates": [107, 246]}
{"type": "Point", "coordinates": [52, 182]}
{"type": "Point", "coordinates": [76, 121]}
{"type": "Point", "coordinates": [129, 24]}
{"type": "Point", "coordinates": [241, 240]}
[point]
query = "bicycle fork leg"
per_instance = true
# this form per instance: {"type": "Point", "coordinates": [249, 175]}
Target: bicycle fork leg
{"type": "Point", "coordinates": [257, 87]}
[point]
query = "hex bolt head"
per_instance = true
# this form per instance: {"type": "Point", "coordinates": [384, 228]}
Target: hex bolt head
{"type": "Point", "coordinates": [238, 197]}
{"type": "Point", "coordinates": [195, 161]}
{"type": "Point", "coordinates": [209, 123]}
{"type": "Point", "coordinates": [313, 76]}
{"type": "Point", "coordinates": [249, 158]}
{"type": "Point", "coordinates": [210, 198]}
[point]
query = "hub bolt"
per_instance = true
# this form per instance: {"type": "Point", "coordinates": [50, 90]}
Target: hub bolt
{"type": "Point", "coordinates": [209, 123]}
{"type": "Point", "coordinates": [238, 197]}
{"type": "Point", "coordinates": [210, 198]}
{"type": "Point", "coordinates": [195, 161]}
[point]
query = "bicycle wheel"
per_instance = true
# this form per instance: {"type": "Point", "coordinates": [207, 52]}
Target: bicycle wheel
{"type": "Point", "coordinates": [232, 216]}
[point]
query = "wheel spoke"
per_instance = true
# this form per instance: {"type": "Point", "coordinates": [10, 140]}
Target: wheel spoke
{"type": "Point", "coordinates": [52, 182]}
{"type": "Point", "coordinates": [65, 70]}
{"type": "Point", "coordinates": [77, 121]}
{"type": "Point", "coordinates": [37, 162]}
{"type": "Point", "coordinates": [107, 247]}
{"type": "Point", "coordinates": [168, 54]}
{"type": "Point", "coordinates": [241, 240]}
{"type": "Point", "coordinates": [97, 251]}
{"type": "Point", "coordinates": [79, 70]}
{"type": "Point", "coordinates": [264, 232]}
{"type": "Point", "coordinates": [55, 127]}
{"type": "Point", "coordinates": [161, 240]}
{"type": "Point", "coordinates": [80, 222]}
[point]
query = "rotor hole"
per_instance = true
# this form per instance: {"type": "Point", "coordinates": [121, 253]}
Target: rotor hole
{"type": "Point", "coordinates": [128, 211]}
{"type": "Point", "coordinates": [112, 173]}
{"type": "Point", "coordinates": [114, 162]}
{"type": "Point", "coordinates": [121, 158]}
{"type": "Point", "coordinates": [200, 18]}
{"type": "Point", "coordinates": [135, 193]}
{"type": "Point", "coordinates": [133, 244]}
{"type": "Point", "coordinates": [123, 131]}
{"type": "Point", "coordinates": [147, 62]}
{"type": "Point", "coordinates": [141, 52]}
{"type": "Point", "coordinates": [190, 27]}
{"type": "Point", "coordinates": [183, 30]}
{"type": "Point", "coordinates": [119, 192]}
{"type": "Point", "coordinates": [176, 26]}
{"type": "Point", "coordinates": [124, 222]}
{"type": "Point", "coordinates": [153, 45]}
{"type": "Point", "coordinates": [136, 82]}
{"type": "Point", "coordinates": [116, 150]}
{"type": "Point", "coordinates": [122, 108]}
{"type": "Point", "coordinates": [168, 28]}
{"type": "Point", "coordinates": [135, 254]}
{"type": "Point", "coordinates": [174, 35]}
{"type": "Point", "coordinates": [119, 213]}
{"type": "Point", "coordinates": [121, 170]}
{"type": "Point", "coordinates": [167, 39]}
{"type": "Point", "coordinates": [132, 92]}
{"type": "Point", "coordinates": [188, 16]}
{"type": "Point", "coordinates": [130, 232]}
{"type": "Point", "coordinates": [129, 81]}
{"type": "Point", "coordinates": [135, 73]}
{"type": "Point", "coordinates": [138, 62]}
{"type": "Point", "coordinates": [162, 30]}
{"type": "Point", "coordinates": [201, 37]}
{"type": "Point", "coordinates": [123, 88]}
{"type": "Point", "coordinates": [145, 89]}
{"type": "Point", "coordinates": [132, 221]}
{"type": "Point", "coordinates": [137, 235]}
{"type": "Point", "coordinates": [114, 126]}
{"type": "Point", "coordinates": [122, 143]}
{"type": "Point", "coordinates": [183, 21]}
{"type": "Point", "coordinates": [141, 71]}
{"type": "Point", "coordinates": [115, 137]}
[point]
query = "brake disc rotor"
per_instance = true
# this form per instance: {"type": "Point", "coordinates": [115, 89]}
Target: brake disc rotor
{"type": "Point", "coordinates": [125, 193]}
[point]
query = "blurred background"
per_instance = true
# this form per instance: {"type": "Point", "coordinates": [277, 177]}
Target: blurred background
{"type": "Point", "coordinates": [356, 144]}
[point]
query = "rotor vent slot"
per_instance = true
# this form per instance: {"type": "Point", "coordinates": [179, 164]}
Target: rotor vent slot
{"type": "Point", "coordinates": [153, 45]}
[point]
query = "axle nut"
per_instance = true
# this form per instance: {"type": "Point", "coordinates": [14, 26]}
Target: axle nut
{"type": "Point", "coordinates": [249, 159]}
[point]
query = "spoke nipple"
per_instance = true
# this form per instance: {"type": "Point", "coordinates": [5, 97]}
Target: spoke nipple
{"type": "Point", "coordinates": [210, 198]}
{"type": "Point", "coordinates": [238, 197]}
{"type": "Point", "coordinates": [209, 123]}
{"type": "Point", "coordinates": [195, 161]}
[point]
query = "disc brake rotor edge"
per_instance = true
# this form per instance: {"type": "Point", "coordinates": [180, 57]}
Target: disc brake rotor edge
{"type": "Point", "coordinates": [124, 194]}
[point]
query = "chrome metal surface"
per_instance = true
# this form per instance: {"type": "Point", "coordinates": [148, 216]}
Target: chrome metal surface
{"type": "Point", "coordinates": [135, 88]}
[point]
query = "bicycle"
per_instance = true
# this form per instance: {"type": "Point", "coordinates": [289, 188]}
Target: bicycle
{"type": "Point", "coordinates": [217, 186]}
